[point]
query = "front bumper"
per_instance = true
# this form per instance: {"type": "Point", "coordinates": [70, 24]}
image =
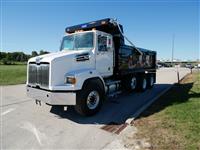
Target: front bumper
{"type": "Point", "coordinates": [52, 97]}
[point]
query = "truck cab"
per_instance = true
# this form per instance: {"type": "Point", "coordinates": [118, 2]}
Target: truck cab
{"type": "Point", "coordinates": [82, 55]}
{"type": "Point", "coordinates": [97, 44]}
{"type": "Point", "coordinates": [91, 64]}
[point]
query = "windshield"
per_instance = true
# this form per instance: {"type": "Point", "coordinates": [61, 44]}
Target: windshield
{"type": "Point", "coordinates": [78, 41]}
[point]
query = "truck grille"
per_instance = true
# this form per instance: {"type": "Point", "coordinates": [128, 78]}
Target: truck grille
{"type": "Point", "coordinates": [38, 74]}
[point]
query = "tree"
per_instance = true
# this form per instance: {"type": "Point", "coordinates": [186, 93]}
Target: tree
{"type": "Point", "coordinates": [43, 52]}
{"type": "Point", "coordinates": [2, 55]}
{"type": "Point", "coordinates": [12, 57]}
{"type": "Point", "coordinates": [22, 57]}
{"type": "Point", "coordinates": [34, 53]}
{"type": "Point", "coordinates": [5, 61]}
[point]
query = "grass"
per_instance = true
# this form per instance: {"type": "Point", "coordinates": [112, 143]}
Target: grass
{"type": "Point", "coordinates": [173, 122]}
{"type": "Point", "coordinates": [12, 74]}
{"type": "Point", "coordinates": [14, 63]}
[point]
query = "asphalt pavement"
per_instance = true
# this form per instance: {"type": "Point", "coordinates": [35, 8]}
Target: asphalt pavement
{"type": "Point", "coordinates": [25, 125]}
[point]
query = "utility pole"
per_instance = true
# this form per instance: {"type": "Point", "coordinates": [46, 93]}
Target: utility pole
{"type": "Point", "coordinates": [177, 67]}
{"type": "Point", "coordinates": [173, 38]}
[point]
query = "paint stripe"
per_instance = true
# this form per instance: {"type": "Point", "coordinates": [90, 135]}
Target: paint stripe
{"type": "Point", "coordinates": [7, 111]}
{"type": "Point", "coordinates": [41, 137]}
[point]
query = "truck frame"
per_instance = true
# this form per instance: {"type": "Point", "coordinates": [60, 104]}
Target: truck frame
{"type": "Point", "coordinates": [93, 62]}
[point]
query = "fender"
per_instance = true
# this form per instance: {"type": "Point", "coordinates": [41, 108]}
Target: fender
{"type": "Point", "coordinates": [83, 75]}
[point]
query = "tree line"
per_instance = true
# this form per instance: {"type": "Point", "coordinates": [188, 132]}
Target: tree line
{"type": "Point", "coordinates": [8, 58]}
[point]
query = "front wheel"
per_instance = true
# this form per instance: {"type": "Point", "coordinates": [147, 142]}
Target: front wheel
{"type": "Point", "coordinates": [89, 99]}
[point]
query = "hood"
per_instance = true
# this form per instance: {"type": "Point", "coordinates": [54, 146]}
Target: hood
{"type": "Point", "coordinates": [50, 57]}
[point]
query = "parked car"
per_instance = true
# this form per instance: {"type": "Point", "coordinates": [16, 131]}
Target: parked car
{"type": "Point", "coordinates": [190, 66]}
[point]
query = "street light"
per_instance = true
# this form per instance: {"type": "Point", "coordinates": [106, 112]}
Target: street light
{"type": "Point", "coordinates": [173, 38]}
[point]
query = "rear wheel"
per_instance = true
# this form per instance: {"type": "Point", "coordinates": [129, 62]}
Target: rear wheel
{"type": "Point", "coordinates": [150, 81]}
{"type": "Point", "coordinates": [142, 86]}
{"type": "Point", "coordinates": [133, 83]}
{"type": "Point", "coordinates": [89, 99]}
{"type": "Point", "coordinates": [130, 83]}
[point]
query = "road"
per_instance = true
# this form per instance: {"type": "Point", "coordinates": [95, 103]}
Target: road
{"type": "Point", "coordinates": [25, 125]}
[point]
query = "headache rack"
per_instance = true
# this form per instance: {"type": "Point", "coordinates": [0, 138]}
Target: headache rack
{"type": "Point", "coordinates": [106, 25]}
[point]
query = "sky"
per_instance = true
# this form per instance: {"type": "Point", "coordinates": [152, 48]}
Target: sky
{"type": "Point", "coordinates": [28, 25]}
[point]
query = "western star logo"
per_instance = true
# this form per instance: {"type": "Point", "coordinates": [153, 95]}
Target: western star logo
{"type": "Point", "coordinates": [38, 60]}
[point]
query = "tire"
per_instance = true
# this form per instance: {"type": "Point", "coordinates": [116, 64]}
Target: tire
{"type": "Point", "coordinates": [130, 83]}
{"type": "Point", "coordinates": [89, 99]}
{"type": "Point", "coordinates": [142, 86]}
{"type": "Point", "coordinates": [150, 81]}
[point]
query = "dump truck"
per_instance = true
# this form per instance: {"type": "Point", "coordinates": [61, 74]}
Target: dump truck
{"type": "Point", "coordinates": [93, 63]}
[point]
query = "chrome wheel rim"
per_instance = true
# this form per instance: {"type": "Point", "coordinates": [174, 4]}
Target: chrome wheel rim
{"type": "Point", "coordinates": [93, 99]}
{"type": "Point", "coordinates": [144, 84]}
{"type": "Point", "coordinates": [133, 83]}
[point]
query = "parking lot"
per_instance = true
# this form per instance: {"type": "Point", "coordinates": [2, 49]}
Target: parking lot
{"type": "Point", "coordinates": [25, 125]}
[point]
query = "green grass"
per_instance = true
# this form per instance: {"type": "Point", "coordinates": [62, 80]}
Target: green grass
{"type": "Point", "coordinates": [173, 122]}
{"type": "Point", "coordinates": [14, 63]}
{"type": "Point", "coordinates": [12, 74]}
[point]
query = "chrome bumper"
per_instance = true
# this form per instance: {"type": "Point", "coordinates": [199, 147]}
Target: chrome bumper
{"type": "Point", "coordinates": [52, 97]}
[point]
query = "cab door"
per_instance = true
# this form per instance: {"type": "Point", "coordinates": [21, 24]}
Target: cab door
{"type": "Point", "coordinates": [104, 54]}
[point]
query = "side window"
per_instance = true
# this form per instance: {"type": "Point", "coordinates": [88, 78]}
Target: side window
{"type": "Point", "coordinates": [102, 43]}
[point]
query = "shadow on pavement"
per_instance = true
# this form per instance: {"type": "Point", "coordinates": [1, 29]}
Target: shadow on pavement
{"type": "Point", "coordinates": [179, 93]}
{"type": "Point", "coordinates": [115, 110]}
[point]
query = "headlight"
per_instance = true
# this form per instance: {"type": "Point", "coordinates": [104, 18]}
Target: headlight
{"type": "Point", "coordinates": [70, 80]}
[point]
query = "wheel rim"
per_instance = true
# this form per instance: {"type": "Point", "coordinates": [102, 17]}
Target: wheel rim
{"type": "Point", "coordinates": [144, 84]}
{"type": "Point", "coordinates": [93, 99]}
{"type": "Point", "coordinates": [133, 83]}
{"type": "Point", "coordinates": [151, 81]}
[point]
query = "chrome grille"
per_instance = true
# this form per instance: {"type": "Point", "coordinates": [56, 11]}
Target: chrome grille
{"type": "Point", "coordinates": [38, 74]}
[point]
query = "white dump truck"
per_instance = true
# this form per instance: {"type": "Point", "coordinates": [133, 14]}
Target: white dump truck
{"type": "Point", "coordinates": [93, 62]}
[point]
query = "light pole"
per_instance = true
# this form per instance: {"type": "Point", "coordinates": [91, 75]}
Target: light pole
{"type": "Point", "coordinates": [173, 38]}
{"type": "Point", "coordinates": [177, 67]}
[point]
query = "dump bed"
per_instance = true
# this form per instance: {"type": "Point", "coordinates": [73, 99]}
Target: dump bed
{"type": "Point", "coordinates": [128, 60]}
